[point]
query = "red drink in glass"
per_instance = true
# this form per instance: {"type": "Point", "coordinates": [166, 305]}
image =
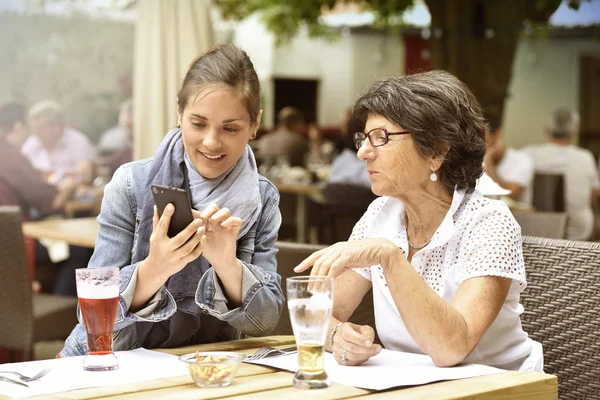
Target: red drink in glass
{"type": "Point", "coordinates": [98, 293]}
{"type": "Point", "coordinates": [99, 320]}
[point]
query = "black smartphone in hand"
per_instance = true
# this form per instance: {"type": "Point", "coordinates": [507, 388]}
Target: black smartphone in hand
{"type": "Point", "coordinates": [182, 216]}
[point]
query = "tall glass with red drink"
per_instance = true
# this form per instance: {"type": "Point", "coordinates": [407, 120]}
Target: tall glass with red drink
{"type": "Point", "coordinates": [98, 292]}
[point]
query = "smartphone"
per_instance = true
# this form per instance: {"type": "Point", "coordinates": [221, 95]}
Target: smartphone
{"type": "Point", "coordinates": [182, 216]}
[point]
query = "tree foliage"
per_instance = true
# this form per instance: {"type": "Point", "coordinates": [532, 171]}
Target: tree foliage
{"type": "Point", "coordinates": [475, 40]}
{"type": "Point", "coordinates": [284, 18]}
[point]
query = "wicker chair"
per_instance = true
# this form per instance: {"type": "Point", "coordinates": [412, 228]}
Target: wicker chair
{"type": "Point", "coordinates": [562, 311]}
{"type": "Point", "coordinates": [26, 318]}
{"type": "Point", "coordinates": [290, 255]}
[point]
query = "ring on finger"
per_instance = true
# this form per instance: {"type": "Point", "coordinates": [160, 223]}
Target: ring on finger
{"type": "Point", "coordinates": [344, 358]}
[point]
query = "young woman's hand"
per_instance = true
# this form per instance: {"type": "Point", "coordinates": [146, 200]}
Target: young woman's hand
{"type": "Point", "coordinates": [221, 235]}
{"type": "Point", "coordinates": [168, 256]}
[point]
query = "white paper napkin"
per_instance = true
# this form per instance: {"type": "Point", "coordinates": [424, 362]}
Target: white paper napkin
{"type": "Point", "coordinates": [68, 374]}
{"type": "Point", "coordinates": [386, 370]}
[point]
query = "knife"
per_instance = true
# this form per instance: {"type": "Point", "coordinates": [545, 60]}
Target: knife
{"type": "Point", "coordinates": [3, 378]}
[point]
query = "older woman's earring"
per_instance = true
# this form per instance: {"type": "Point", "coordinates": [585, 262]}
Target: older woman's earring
{"type": "Point", "coordinates": [179, 126]}
{"type": "Point", "coordinates": [433, 176]}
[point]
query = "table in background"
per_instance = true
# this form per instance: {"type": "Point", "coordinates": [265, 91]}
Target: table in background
{"type": "Point", "coordinates": [64, 231]}
{"type": "Point", "coordinates": [255, 381]}
{"type": "Point", "coordinates": [75, 231]}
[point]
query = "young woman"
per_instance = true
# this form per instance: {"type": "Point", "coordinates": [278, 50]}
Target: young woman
{"type": "Point", "coordinates": [216, 280]}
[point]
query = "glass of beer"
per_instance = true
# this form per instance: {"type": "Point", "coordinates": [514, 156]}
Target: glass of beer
{"type": "Point", "coordinates": [310, 301]}
{"type": "Point", "coordinates": [98, 293]}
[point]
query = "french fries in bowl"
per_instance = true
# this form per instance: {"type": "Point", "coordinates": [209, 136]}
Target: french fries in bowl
{"type": "Point", "coordinates": [212, 369]}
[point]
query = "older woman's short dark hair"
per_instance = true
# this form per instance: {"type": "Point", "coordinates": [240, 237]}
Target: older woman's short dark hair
{"type": "Point", "coordinates": [443, 116]}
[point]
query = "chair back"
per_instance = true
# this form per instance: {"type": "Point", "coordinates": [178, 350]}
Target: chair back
{"type": "Point", "coordinates": [562, 311]}
{"type": "Point", "coordinates": [289, 256]}
{"type": "Point", "coordinates": [549, 192]}
{"type": "Point", "coordinates": [343, 206]}
{"type": "Point", "coordinates": [16, 329]}
{"type": "Point", "coordinates": [288, 207]}
{"type": "Point", "coordinates": [542, 224]}
{"type": "Point", "coordinates": [348, 197]}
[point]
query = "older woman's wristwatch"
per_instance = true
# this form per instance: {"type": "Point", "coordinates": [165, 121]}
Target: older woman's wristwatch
{"type": "Point", "coordinates": [333, 331]}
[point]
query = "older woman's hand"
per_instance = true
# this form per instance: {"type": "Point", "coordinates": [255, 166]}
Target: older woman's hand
{"type": "Point", "coordinates": [336, 259]}
{"type": "Point", "coordinates": [353, 344]}
{"type": "Point", "coordinates": [221, 235]}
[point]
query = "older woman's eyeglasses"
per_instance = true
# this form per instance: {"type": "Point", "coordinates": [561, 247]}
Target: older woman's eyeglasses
{"type": "Point", "coordinates": [377, 137]}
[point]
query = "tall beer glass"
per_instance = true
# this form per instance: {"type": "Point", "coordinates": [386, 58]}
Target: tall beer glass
{"type": "Point", "coordinates": [98, 292]}
{"type": "Point", "coordinates": [310, 301]}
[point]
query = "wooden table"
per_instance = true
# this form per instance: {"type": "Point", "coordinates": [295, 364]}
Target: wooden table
{"type": "Point", "coordinates": [302, 191]}
{"type": "Point", "coordinates": [76, 231]}
{"type": "Point", "coordinates": [258, 382]}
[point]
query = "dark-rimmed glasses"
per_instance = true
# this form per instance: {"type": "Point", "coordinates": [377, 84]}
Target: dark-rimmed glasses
{"type": "Point", "coordinates": [377, 137]}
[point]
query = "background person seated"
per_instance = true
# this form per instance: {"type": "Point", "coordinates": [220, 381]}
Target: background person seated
{"type": "Point", "coordinates": [55, 149]}
{"type": "Point", "coordinates": [20, 183]}
{"type": "Point", "coordinates": [510, 168]}
{"type": "Point", "coordinates": [577, 165]}
{"type": "Point", "coordinates": [286, 140]}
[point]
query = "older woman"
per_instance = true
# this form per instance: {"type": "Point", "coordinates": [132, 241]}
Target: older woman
{"type": "Point", "coordinates": [445, 263]}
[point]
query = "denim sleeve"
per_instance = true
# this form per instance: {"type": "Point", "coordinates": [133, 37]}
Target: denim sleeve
{"type": "Point", "coordinates": [262, 297]}
{"type": "Point", "coordinates": [113, 248]}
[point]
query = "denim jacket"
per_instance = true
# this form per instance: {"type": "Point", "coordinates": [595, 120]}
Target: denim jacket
{"type": "Point", "coordinates": [262, 297]}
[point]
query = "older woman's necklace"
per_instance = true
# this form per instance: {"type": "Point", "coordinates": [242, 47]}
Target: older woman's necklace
{"type": "Point", "coordinates": [418, 246]}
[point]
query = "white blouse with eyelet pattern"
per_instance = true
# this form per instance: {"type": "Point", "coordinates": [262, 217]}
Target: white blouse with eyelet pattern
{"type": "Point", "coordinates": [478, 237]}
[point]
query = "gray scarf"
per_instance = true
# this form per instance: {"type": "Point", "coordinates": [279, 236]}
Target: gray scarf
{"type": "Point", "coordinates": [236, 189]}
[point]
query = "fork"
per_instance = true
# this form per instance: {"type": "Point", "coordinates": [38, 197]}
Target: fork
{"type": "Point", "coordinates": [25, 378]}
{"type": "Point", "coordinates": [263, 351]}
{"type": "Point", "coordinates": [267, 352]}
